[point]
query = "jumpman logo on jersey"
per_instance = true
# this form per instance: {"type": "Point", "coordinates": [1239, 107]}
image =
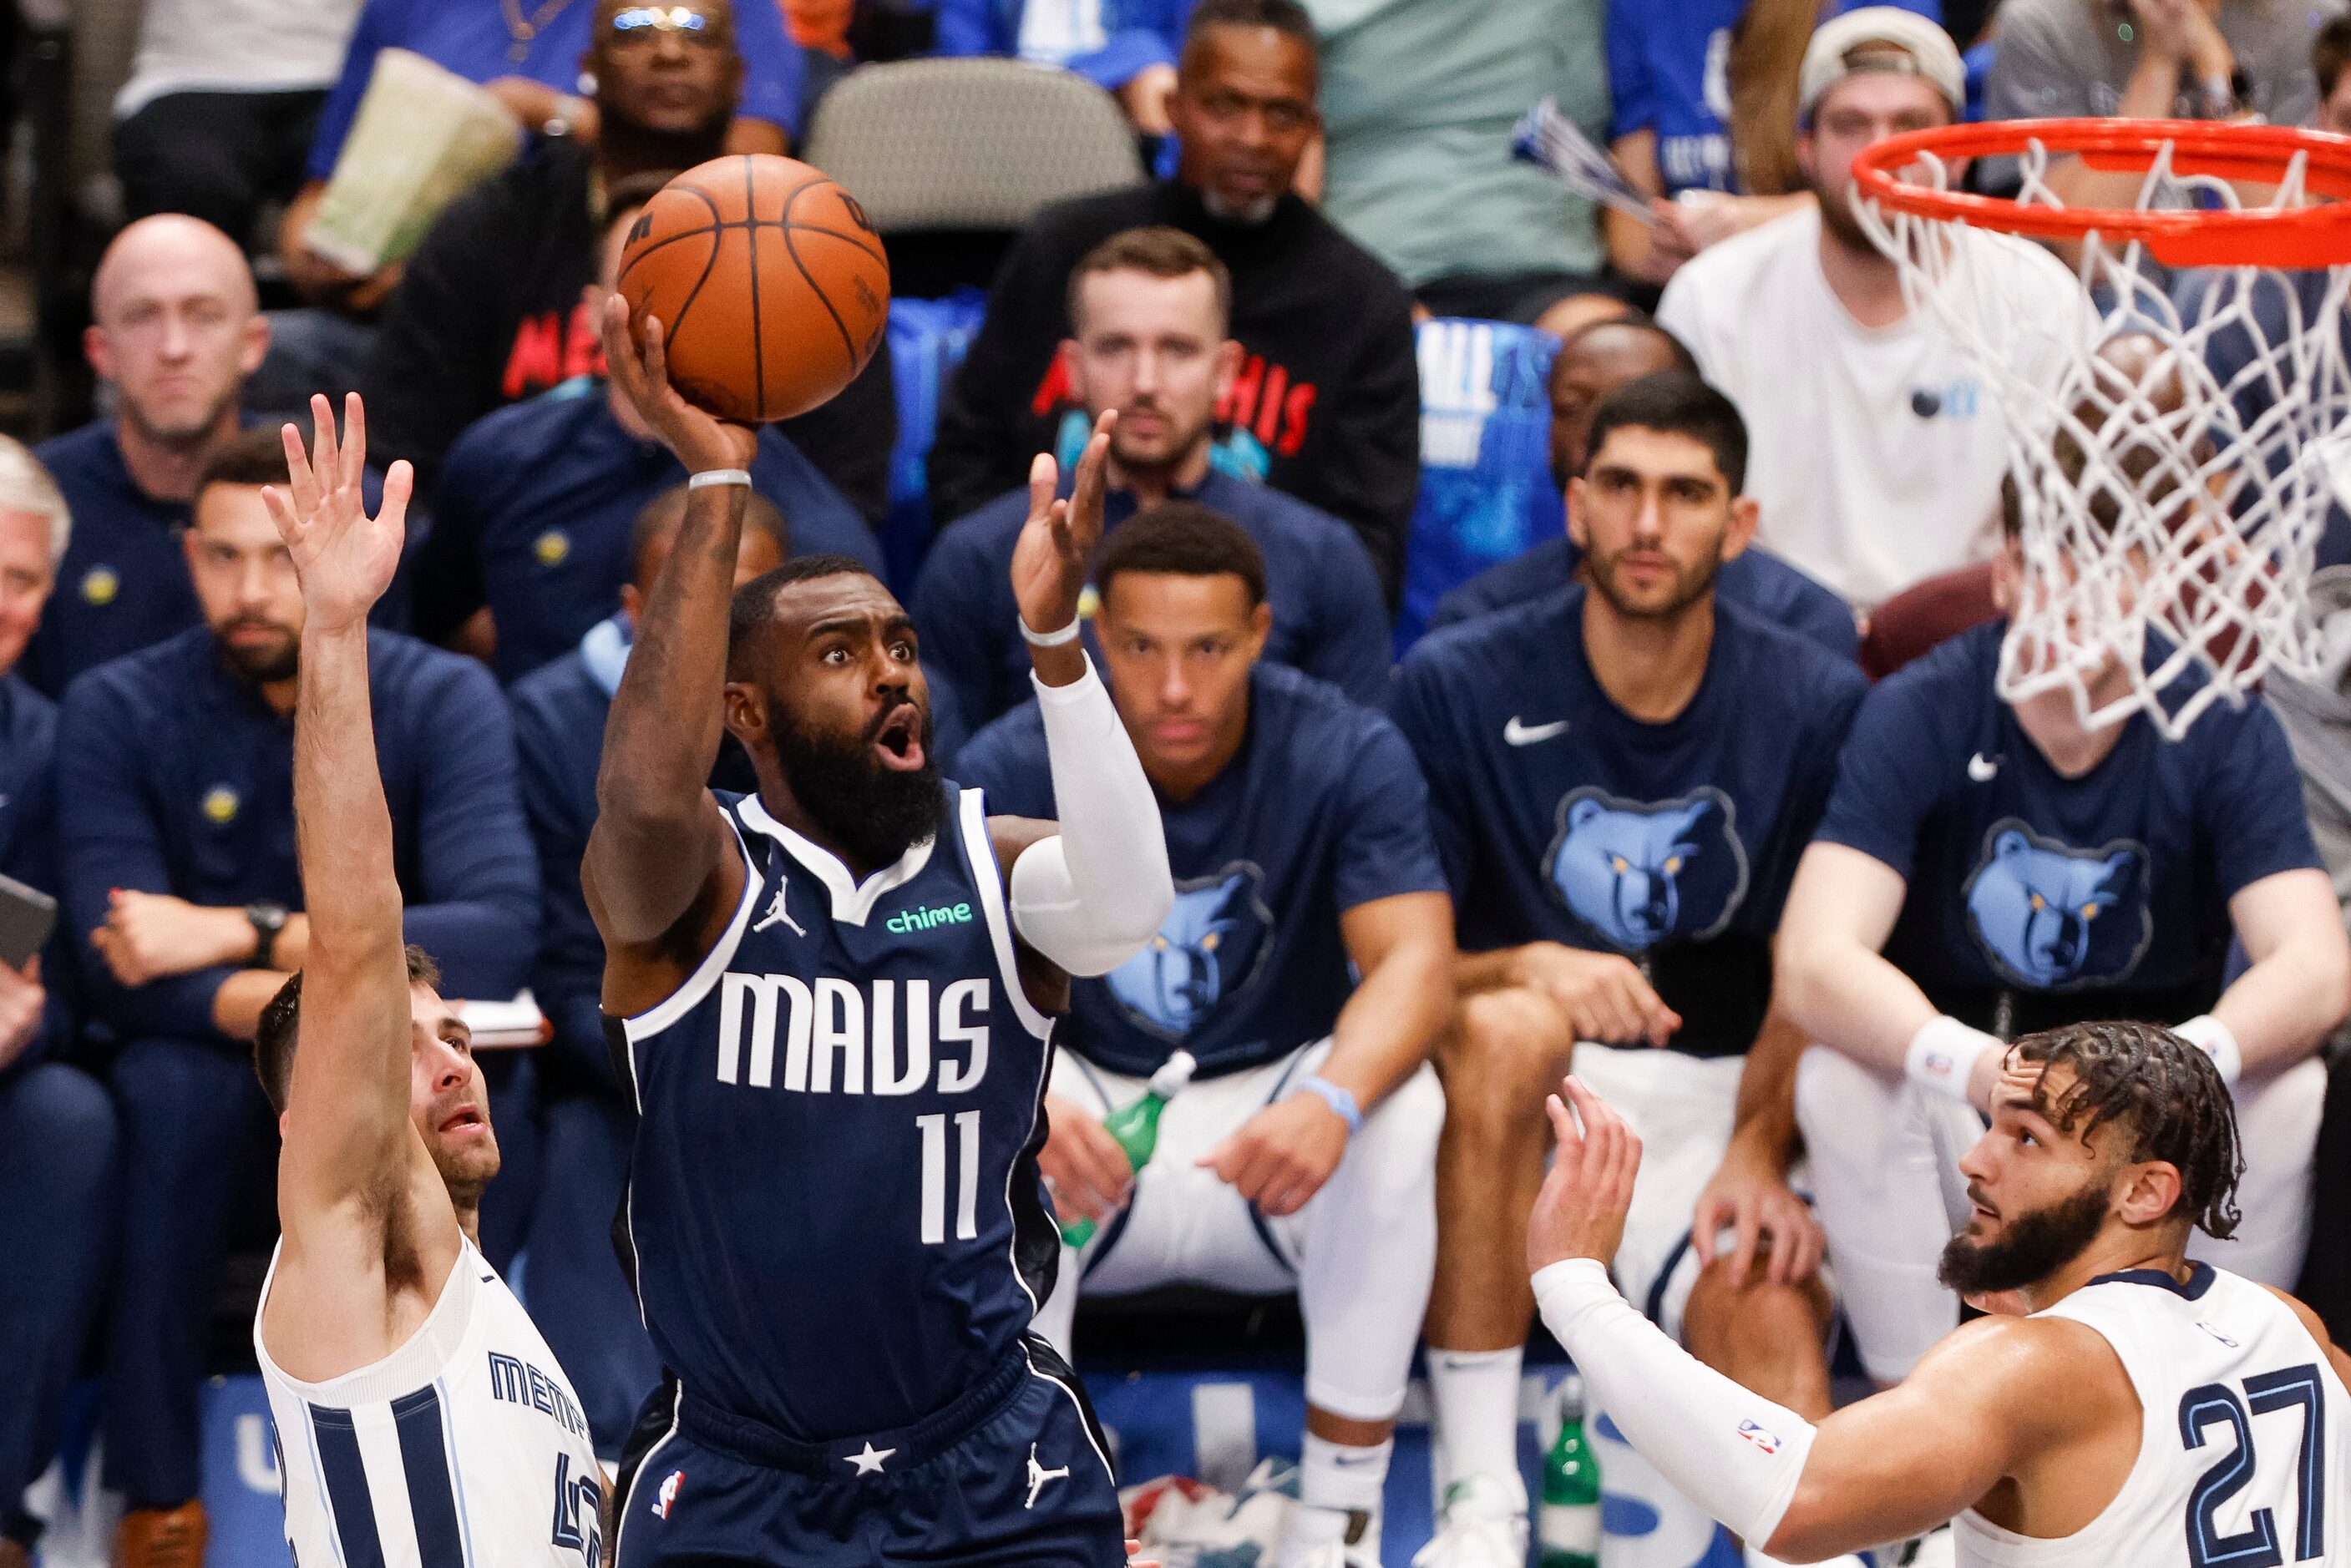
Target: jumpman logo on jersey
{"type": "Point", "coordinates": [1038, 1475]}
{"type": "Point", "coordinates": [776, 912]}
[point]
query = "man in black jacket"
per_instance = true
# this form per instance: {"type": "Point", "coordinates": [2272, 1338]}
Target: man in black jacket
{"type": "Point", "coordinates": [1327, 403]}
{"type": "Point", "coordinates": [489, 311]}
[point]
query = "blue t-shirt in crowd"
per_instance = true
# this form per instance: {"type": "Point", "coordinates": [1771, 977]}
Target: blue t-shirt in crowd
{"type": "Point", "coordinates": [124, 583]}
{"type": "Point", "coordinates": [1321, 809]}
{"type": "Point", "coordinates": [1669, 71]}
{"type": "Point", "coordinates": [1136, 34]}
{"type": "Point", "coordinates": [2036, 899]}
{"type": "Point", "coordinates": [1329, 618]}
{"type": "Point", "coordinates": [29, 838]}
{"type": "Point", "coordinates": [1760, 581]}
{"type": "Point", "coordinates": [475, 39]}
{"type": "Point", "coordinates": [1561, 817]}
{"type": "Point", "coordinates": [549, 490]}
{"type": "Point", "coordinates": [174, 777]}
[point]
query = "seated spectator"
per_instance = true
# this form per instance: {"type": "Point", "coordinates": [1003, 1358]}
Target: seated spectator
{"type": "Point", "coordinates": [819, 30]}
{"type": "Point", "coordinates": [1887, 469]}
{"type": "Point", "coordinates": [1702, 98]}
{"type": "Point", "coordinates": [1126, 48]}
{"type": "Point", "coordinates": [1988, 868]}
{"type": "Point", "coordinates": [1594, 363]}
{"type": "Point", "coordinates": [532, 59]}
{"type": "Point", "coordinates": [2330, 52]}
{"type": "Point", "coordinates": [1418, 99]}
{"type": "Point", "coordinates": [174, 333]}
{"type": "Point", "coordinates": [2148, 59]}
{"type": "Point", "coordinates": [580, 1299]}
{"type": "Point", "coordinates": [175, 779]}
{"type": "Point", "coordinates": [1327, 403]}
{"type": "Point", "coordinates": [532, 525]}
{"type": "Point", "coordinates": [57, 1143]}
{"type": "Point", "coordinates": [223, 100]}
{"type": "Point", "coordinates": [1621, 774]}
{"type": "Point", "coordinates": [1147, 316]}
{"type": "Point", "coordinates": [1302, 1155]}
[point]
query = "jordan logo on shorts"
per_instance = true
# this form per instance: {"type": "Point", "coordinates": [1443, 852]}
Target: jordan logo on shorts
{"type": "Point", "coordinates": [1038, 1475]}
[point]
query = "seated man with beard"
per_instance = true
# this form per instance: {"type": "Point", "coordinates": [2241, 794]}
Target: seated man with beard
{"type": "Point", "coordinates": [2150, 1410]}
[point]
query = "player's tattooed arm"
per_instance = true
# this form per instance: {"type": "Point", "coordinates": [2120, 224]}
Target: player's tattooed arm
{"type": "Point", "coordinates": [659, 847]}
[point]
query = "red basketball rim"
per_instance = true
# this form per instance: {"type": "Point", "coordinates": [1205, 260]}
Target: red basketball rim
{"type": "Point", "coordinates": [2317, 237]}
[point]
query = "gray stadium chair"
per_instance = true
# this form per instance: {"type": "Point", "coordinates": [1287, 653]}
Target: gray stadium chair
{"type": "Point", "coordinates": [968, 144]}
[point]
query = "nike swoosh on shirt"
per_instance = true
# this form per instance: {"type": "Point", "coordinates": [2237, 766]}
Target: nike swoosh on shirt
{"type": "Point", "coordinates": [1518, 734]}
{"type": "Point", "coordinates": [1980, 770]}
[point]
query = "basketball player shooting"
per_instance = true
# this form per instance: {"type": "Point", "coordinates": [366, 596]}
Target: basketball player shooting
{"type": "Point", "coordinates": [830, 1001]}
{"type": "Point", "coordinates": [420, 1416]}
{"type": "Point", "coordinates": [2149, 1411]}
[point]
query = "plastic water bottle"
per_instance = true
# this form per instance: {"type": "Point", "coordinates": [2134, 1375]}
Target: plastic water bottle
{"type": "Point", "coordinates": [1567, 1521]}
{"type": "Point", "coordinates": [1135, 1126]}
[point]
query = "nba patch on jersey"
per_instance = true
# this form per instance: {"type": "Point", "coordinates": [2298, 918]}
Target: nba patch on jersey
{"type": "Point", "coordinates": [1759, 1437]}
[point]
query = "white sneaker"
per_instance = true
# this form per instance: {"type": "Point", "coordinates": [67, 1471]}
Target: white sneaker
{"type": "Point", "coordinates": [1317, 1537]}
{"type": "Point", "coordinates": [1482, 1523]}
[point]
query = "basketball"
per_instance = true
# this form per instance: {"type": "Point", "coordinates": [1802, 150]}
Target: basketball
{"type": "Point", "coordinates": [770, 286]}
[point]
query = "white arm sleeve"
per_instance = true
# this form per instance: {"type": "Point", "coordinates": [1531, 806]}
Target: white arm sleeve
{"type": "Point", "coordinates": [1090, 898]}
{"type": "Point", "coordinates": [1735, 1454]}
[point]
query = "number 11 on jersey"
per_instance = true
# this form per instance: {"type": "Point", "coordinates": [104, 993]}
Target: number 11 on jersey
{"type": "Point", "coordinates": [933, 1129]}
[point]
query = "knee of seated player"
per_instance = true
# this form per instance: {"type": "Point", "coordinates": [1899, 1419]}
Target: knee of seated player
{"type": "Point", "coordinates": [1734, 1326]}
{"type": "Point", "coordinates": [1842, 1108]}
{"type": "Point", "coordinates": [1506, 1051]}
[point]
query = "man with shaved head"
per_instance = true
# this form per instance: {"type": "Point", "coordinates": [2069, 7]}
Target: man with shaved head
{"type": "Point", "coordinates": [176, 331]}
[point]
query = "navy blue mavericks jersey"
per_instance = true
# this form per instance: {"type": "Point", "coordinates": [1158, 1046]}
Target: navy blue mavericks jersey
{"type": "Point", "coordinates": [2035, 899]}
{"type": "Point", "coordinates": [833, 1198]}
{"type": "Point", "coordinates": [1560, 817]}
{"type": "Point", "coordinates": [1321, 810]}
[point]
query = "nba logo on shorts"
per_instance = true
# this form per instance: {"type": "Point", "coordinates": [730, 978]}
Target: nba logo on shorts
{"type": "Point", "coordinates": [1747, 1430]}
{"type": "Point", "coordinates": [675, 1480]}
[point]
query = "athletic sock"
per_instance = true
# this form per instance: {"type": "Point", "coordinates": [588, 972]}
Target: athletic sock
{"type": "Point", "coordinates": [1336, 1481]}
{"type": "Point", "coordinates": [1476, 1395]}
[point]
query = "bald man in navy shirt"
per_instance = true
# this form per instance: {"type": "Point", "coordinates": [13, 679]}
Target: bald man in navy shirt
{"type": "Point", "coordinates": [175, 781]}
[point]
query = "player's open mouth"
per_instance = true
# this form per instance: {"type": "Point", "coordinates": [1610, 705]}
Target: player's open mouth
{"type": "Point", "coordinates": [466, 1120]}
{"type": "Point", "coordinates": [899, 743]}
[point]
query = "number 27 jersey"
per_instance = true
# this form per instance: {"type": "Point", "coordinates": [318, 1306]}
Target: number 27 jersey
{"type": "Point", "coordinates": [2241, 1461]}
{"type": "Point", "coordinates": [833, 1198]}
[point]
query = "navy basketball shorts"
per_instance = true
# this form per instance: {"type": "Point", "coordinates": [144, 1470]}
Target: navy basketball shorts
{"type": "Point", "coordinates": [1016, 1472]}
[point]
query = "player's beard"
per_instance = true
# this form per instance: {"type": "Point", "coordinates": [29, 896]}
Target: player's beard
{"type": "Point", "coordinates": [264, 663]}
{"type": "Point", "coordinates": [2030, 1248]}
{"type": "Point", "coordinates": [1690, 584]}
{"type": "Point", "coordinates": [875, 814]}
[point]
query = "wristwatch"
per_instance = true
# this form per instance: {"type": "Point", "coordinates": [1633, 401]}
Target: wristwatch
{"type": "Point", "coordinates": [269, 919]}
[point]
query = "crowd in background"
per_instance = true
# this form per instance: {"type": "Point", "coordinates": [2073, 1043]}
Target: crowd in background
{"type": "Point", "coordinates": [1329, 173]}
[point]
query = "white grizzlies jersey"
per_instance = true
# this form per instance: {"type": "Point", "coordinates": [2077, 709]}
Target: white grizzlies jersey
{"type": "Point", "coordinates": [2241, 1459]}
{"type": "Point", "coordinates": [464, 1448]}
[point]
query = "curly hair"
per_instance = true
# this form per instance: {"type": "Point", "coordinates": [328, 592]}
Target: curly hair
{"type": "Point", "coordinates": [2165, 1092]}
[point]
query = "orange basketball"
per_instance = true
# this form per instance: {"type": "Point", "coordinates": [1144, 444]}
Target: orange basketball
{"type": "Point", "coordinates": [771, 286]}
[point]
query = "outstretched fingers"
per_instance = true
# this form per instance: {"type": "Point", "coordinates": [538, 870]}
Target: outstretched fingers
{"type": "Point", "coordinates": [354, 468]}
{"type": "Point", "coordinates": [621, 361]}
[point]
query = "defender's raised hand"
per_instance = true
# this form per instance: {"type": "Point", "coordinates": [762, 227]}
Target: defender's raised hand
{"type": "Point", "coordinates": [1581, 1211]}
{"type": "Point", "coordinates": [1056, 549]}
{"type": "Point", "coordinates": [344, 559]}
{"type": "Point", "coordinates": [699, 439]}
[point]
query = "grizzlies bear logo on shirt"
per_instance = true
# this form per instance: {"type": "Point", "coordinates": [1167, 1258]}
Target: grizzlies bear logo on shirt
{"type": "Point", "coordinates": [1209, 947]}
{"type": "Point", "coordinates": [2052, 917]}
{"type": "Point", "coordinates": [1639, 874]}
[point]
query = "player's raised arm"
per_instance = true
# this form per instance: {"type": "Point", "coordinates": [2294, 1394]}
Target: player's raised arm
{"type": "Point", "coordinates": [658, 838]}
{"type": "Point", "coordinates": [347, 1110]}
{"type": "Point", "coordinates": [1089, 897]}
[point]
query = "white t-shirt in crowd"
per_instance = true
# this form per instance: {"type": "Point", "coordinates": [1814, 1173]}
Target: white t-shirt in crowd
{"type": "Point", "coordinates": [1874, 454]}
{"type": "Point", "coordinates": [237, 46]}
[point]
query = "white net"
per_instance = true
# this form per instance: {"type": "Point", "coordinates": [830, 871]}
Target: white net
{"type": "Point", "coordinates": [2172, 467]}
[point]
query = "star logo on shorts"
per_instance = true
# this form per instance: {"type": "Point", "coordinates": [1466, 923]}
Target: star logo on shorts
{"type": "Point", "coordinates": [868, 1463]}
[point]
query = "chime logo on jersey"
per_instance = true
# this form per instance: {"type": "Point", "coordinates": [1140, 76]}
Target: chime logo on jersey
{"type": "Point", "coordinates": [1209, 947]}
{"type": "Point", "coordinates": [1640, 873]}
{"type": "Point", "coordinates": [882, 1037]}
{"type": "Point", "coordinates": [2050, 916]}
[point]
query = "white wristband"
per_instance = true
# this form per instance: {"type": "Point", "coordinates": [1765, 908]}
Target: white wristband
{"type": "Point", "coordinates": [710, 476]}
{"type": "Point", "coordinates": [2212, 1037]}
{"type": "Point", "coordinates": [1943, 1053]}
{"type": "Point", "coordinates": [1068, 634]}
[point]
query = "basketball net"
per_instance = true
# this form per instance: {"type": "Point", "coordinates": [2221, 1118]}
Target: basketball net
{"type": "Point", "coordinates": [2169, 516]}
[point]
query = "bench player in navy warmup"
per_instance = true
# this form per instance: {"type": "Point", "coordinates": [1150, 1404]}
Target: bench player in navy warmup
{"type": "Point", "coordinates": [829, 999]}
